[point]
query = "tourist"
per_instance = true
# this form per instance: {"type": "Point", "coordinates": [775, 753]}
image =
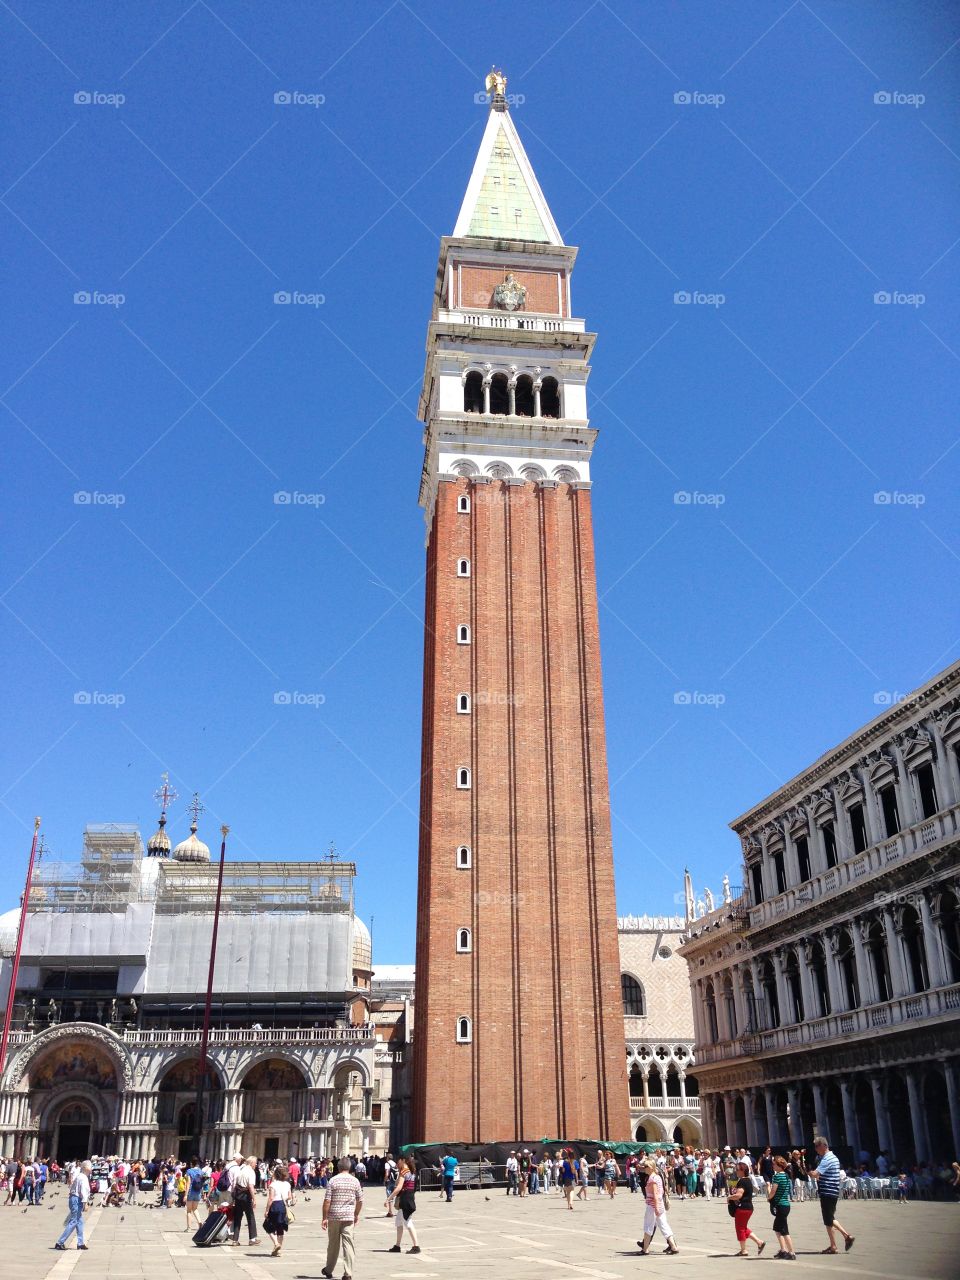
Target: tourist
{"type": "Point", "coordinates": [78, 1196]}
{"type": "Point", "coordinates": [632, 1163]}
{"type": "Point", "coordinates": [707, 1176]}
{"type": "Point", "coordinates": [767, 1165]}
{"type": "Point", "coordinates": [194, 1180]}
{"type": "Point", "coordinates": [798, 1174]}
{"type": "Point", "coordinates": [655, 1214]}
{"type": "Point", "coordinates": [43, 1174]}
{"type": "Point", "coordinates": [778, 1194]}
{"type": "Point", "coordinates": [692, 1176]}
{"type": "Point", "coordinates": [599, 1170]}
{"type": "Point", "coordinates": [583, 1167]}
{"type": "Point", "coordinates": [611, 1172]}
{"type": "Point", "coordinates": [279, 1196]}
{"type": "Point", "coordinates": [406, 1202]}
{"type": "Point", "coordinates": [342, 1202]}
{"type": "Point", "coordinates": [244, 1188]}
{"type": "Point", "coordinates": [449, 1164]}
{"type": "Point", "coordinates": [389, 1181]}
{"type": "Point", "coordinates": [567, 1172]}
{"type": "Point", "coordinates": [524, 1172]}
{"type": "Point", "coordinates": [740, 1203]}
{"type": "Point", "coordinates": [828, 1178]}
{"type": "Point", "coordinates": [546, 1171]}
{"type": "Point", "coordinates": [513, 1173]}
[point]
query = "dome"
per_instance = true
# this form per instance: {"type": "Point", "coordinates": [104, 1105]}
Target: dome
{"type": "Point", "coordinates": [192, 849]}
{"type": "Point", "coordinates": [158, 846]}
{"type": "Point", "coordinates": [362, 945]}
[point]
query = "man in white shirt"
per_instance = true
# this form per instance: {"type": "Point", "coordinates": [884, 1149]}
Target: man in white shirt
{"type": "Point", "coordinates": [79, 1195]}
{"type": "Point", "coordinates": [244, 1193]}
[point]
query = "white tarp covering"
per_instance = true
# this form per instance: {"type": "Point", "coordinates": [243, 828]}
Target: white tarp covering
{"type": "Point", "coordinates": [59, 937]}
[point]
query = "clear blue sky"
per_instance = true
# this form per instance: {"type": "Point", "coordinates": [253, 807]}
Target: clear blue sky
{"type": "Point", "coordinates": [800, 600]}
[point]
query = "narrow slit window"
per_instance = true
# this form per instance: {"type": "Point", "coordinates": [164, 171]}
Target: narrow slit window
{"type": "Point", "coordinates": [463, 704]}
{"type": "Point", "coordinates": [463, 857]}
{"type": "Point", "coordinates": [463, 505]}
{"type": "Point", "coordinates": [463, 779]}
{"type": "Point", "coordinates": [463, 568]}
{"type": "Point", "coordinates": [463, 941]}
{"type": "Point", "coordinates": [463, 634]}
{"type": "Point", "coordinates": [464, 1031]}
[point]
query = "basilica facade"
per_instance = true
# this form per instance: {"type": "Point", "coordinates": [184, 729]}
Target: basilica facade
{"type": "Point", "coordinates": [104, 1055]}
{"type": "Point", "coordinates": [827, 994]}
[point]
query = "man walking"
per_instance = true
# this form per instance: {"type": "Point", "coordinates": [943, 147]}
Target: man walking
{"type": "Point", "coordinates": [449, 1164]}
{"type": "Point", "coordinates": [828, 1177]}
{"type": "Point", "coordinates": [342, 1203]}
{"type": "Point", "coordinates": [79, 1195]}
{"type": "Point", "coordinates": [244, 1187]}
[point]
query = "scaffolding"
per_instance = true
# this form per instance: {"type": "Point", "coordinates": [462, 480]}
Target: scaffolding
{"type": "Point", "coordinates": [291, 888]}
{"type": "Point", "coordinates": [106, 878]}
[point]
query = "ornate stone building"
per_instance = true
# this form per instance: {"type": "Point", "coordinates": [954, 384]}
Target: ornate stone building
{"type": "Point", "coordinates": [827, 994]}
{"type": "Point", "coordinates": [658, 1024]}
{"type": "Point", "coordinates": [109, 1003]}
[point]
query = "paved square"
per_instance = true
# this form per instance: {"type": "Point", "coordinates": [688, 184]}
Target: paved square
{"type": "Point", "coordinates": [488, 1234]}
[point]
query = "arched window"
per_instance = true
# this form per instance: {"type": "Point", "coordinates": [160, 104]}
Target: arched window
{"type": "Point", "coordinates": [463, 704]}
{"type": "Point", "coordinates": [463, 568]}
{"type": "Point", "coordinates": [730, 1007]}
{"type": "Point", "coordinates": [848, 969]}
{"type": "Point", "coordinates": [463, 505]}
{"type": "Point", "coordinates": [877, 947]}
{"type": "Point", "coordinates": [792, 975]}
{"type": "Point", "coordinates": [550, 398]}
{"type": "Point", "coordinates": [463, 779]}
{"type": "Point", "coordinates": [821, 987]}
{"type": "Point", "coordinates": [768, 981]}
{"type": "Point", "coordinates": [499, 394]}
{"type": "Point", "coordinates": [711, 1005]}
{"type": "Point", "coordinates": [464, 1031]}
{"type": "Point", "coordinates": [948, 918]}
{"type": "Point", "coordinates": [632, 991]}
{"type": "Point", "coordinates": [473, 392]}
{"type": "Point", "coordinates": [523, 397]}
{"type": "Point", "coordinates": [463, 857]}
{"type": "Point", "coordinates": [463, 634]}
{"type": "Point", "coordinates": [463, 940]}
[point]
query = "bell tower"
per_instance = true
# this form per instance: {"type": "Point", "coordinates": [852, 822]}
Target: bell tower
{"type": "Point", "coordinates": [519, 1015]}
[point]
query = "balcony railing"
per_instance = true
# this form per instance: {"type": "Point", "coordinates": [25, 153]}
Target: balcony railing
{"type": "Point", "coordinates": [140, 1039]}
{"type": "Point", "coordinates": [836, 1026]}
{"type": "Point", "coordinates": [658, 1103]}
{"type": "Point", "coordinates": [918, 839]}
{"type": "Point", "coordinates": [512, 320]}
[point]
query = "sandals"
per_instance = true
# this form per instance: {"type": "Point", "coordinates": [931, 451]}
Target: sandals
{"type": "Point", "coordinates": [848, 1245]}
{"type": "Point", "coordinates": [832, 1249]}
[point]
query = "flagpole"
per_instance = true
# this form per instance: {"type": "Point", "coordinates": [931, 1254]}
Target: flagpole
{"type": "Point", "coordinates": [12, 994]}
{"type": "Point", "coordinates": [205, 1034]}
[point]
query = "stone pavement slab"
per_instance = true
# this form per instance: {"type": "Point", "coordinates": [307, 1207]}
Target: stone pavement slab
{"type": "Point", "coordinates": [486, 1233]}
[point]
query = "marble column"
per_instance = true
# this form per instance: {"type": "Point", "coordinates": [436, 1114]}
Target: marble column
{"type": "Point", "coordinates": [953, 1098]}
{"type": "Point", "coordinates": [783, 991]}
{"type": "Point", "coordinates": [918, 1119]}
{"type": "Point", "coordinates": [850, 1115]}
{"type": "Point", "coordinates": [819, 1108]}
{"type": "Point", "coordinates": [750, 1121]}
{"type": "Point", "coordinates": [739, 1001]}
{"type": "Point", "coordinates": [729, 1120]}
{"type": "Point", "coordinates": [880, 1110]}
{"type": "Point", "coordinates": [895, 958]}
{"type": "Point", "coordinates": [865, 979]}
{"type": "Point", "coordinates": [795, 1122]}
{"type": "Point", "coordinates": [775, 1136]}
{"type": "Point", "coordinates": [835, 983]}
{"type": "Point", "coordinates": [931, 945]}
{"type": "Point", "coordinates": [811, 1005]}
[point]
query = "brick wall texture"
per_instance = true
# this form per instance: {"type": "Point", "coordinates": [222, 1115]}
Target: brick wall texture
{"type": "Point", "coordinates": [543, 292]}
{"type": "Point", "coordinates": [542, 982]}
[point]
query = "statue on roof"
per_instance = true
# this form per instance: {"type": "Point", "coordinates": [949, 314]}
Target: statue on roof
{"type": "Point", "coordinates": [727, 897]}
{"type": "Point", "coordinates": [496, 83]}
{"type": "Point", "coordinates": [708, 898]}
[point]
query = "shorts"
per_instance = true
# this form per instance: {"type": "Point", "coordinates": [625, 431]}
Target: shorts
{"type": "Point", "coordinates": [780, 1226]}
{"type": "Point", "coordinates": [741, 1224]}
{"type": "Point", "coordinates": [828, 1209]}
{"type": "Point", "coordinates": [193, 1197]}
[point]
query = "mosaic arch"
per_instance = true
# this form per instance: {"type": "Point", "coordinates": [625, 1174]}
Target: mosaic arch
{"type": "Point", "coordinates": [274, 1073]}
{"type": "Point", "coordinates": [77, 1063]}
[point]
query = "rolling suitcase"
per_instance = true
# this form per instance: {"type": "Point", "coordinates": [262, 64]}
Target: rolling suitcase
{"type": "Point", "coordinates": [214, 1229]}
{"type": "Point", "coordinates": [146, 1184]}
